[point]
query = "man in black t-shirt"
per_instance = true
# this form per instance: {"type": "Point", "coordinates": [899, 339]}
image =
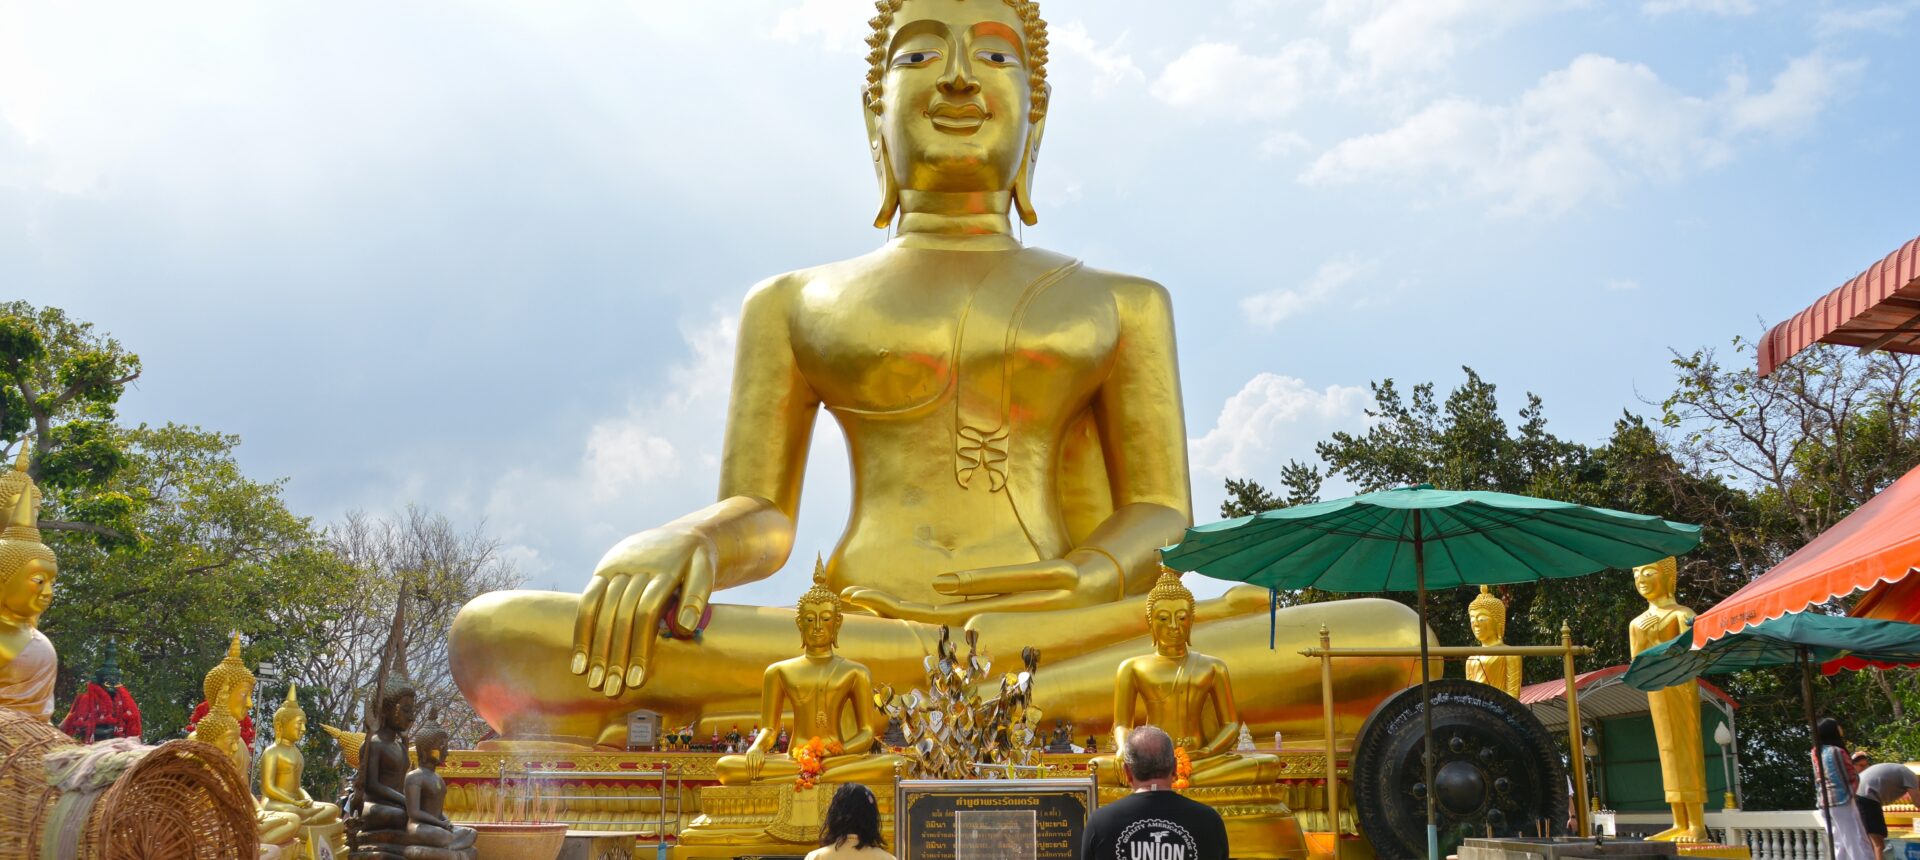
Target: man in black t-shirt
{"type": "Point", "coordinates": [1154, 822]}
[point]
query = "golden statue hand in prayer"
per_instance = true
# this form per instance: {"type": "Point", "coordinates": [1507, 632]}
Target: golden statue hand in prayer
{"type": "Point", "coordinates": [1014, 428]}
{"type": "Point", "coordinates": [1675, 710]}
{"type": "Point", "coordinates": [1188, 695]}
{"type": "Point", "coordinates": [828, 693]}
{"type": "Point", "coordinates": [282, 765]}
{"type": "Point", "coordinates": [1487, 615]}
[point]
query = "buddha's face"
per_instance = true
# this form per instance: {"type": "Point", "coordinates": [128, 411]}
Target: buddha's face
{"type": "Point", "coordinates": [431, 751]}
{"type": "Point", "coordinates": [1486, 627]}
{"type": "Point", "coordinates": [30, 590]}
{"type": "Point", "coordinates": [1651, 582]}
{"type": "Point", "coordinates": [956, 96]}
{"type": "Point", "coordinates": [290, 728]}
{"type": "Point", "coordinates": [819, 624]}
{"type": "Point", "coordinates": [1171, 622]}
{"type": "Point", "coordinates": [239, 700]}
{"type": "Point", "coordinates": [399, 712]}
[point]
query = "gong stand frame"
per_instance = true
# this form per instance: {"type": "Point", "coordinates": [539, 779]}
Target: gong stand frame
{"type": "Point", "coordinates": [1566, 650]}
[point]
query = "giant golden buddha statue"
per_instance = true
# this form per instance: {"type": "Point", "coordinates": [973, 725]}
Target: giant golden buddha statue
{"type": "Point", "coordinates": [1015, 430]}
{"type": "Point", "coordinates": [28, 663]}
{"type": "Point", "coordinates": [1675, 710]}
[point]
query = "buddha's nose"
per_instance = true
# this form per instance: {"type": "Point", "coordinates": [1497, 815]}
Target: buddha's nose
{"type": "Point", "coordinates": [958, 79]}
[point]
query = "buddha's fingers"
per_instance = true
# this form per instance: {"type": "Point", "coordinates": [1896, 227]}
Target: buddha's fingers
{"type": "Point", "coordinates": [622, 638]}
{"type": "Point", "coordinates": [1052, 575]}
{"type": "Point", "coordinates": [694, 593]}
{"type": "Point", "coordinates": [583, 622]}
{"type": "Point", "coordinates": [646, 627]}
{"type": "Point", "coordinates": [603, 629]}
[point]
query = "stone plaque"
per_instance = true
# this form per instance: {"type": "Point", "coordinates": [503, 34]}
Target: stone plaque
{"type": "Point", "coordinates": [979, 819]}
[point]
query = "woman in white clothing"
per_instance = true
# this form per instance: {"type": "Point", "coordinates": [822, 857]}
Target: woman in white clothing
{"type": "Point", "coordinates": [1833, 772]}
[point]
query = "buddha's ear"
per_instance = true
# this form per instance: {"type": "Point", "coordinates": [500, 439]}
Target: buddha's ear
{"type": "Point", "coordinates": [882, 166]}
{"type": "Point", "coordinates": [1023, 181]}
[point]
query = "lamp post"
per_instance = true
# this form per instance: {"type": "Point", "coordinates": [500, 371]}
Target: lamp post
{"type": "Point", "coordinates": [1592, 751]}
{"type": "Point", "coordinates": [1723, 735]}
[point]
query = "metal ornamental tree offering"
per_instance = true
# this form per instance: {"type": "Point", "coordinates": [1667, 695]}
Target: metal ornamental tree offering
{"type": "Point", "coordinates": [951, 732]}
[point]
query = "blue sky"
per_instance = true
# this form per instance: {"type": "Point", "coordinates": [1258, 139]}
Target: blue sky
{"type": "Point", "coordinates": [485, 256]}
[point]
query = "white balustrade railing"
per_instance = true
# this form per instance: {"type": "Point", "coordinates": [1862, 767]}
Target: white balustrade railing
{"type": "Point", "coordinates": [1789, 835]}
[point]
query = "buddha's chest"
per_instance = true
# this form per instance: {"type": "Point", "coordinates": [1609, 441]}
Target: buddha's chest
{"type": "Point", "coordinates": [1175, 685]}
{"type": "Point", "coordinates": [904, 340]}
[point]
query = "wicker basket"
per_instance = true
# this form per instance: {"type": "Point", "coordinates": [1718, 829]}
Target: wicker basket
{"type": "Point", "coordinates": [183, 801]}
{"type": "Point", "coordinates": [25, 797]}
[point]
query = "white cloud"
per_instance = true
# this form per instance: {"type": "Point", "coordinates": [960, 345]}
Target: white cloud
{"type": "Point", "coordinates": [1111, 63]}
{"type": "Point", "coordinates": [1581, 133]}
{"type": "Point", "coordinates": [1273, 307]}
{"type": "Point", "coordinates": [1274, 418]}
{"type": "Point", "coordinates": [1281, 144]}
{"type": "Point", "coordinates": [1621, 285]}
{"type": "Point", "coordinates": [838, 26]}
{"type": "Point", "coordinates": [1724, 8]}
{"type": "Point", "coordinates": [1798, 94]}
{"type": "Point", "coordinates": [1885, 18]}
{"type": "Point", "coordinates": [1222, 79]}
{"type": "Point", "coordinates": [1395, 37]}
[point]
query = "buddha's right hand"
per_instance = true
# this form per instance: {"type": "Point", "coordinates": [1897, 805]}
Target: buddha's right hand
{"type": "Point", "coordinates": [619, 616]}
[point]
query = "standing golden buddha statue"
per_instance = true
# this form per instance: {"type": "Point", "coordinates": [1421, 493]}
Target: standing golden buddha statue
{"type": "Point", "coordinates": [1487, 615]}
{"type": "Point", "coordinates": [1676, 709]}
{"type": "Point", "coordinates": [28, 663]}
{"type": "Point", "coordinates": [1015, 433]}
{"type": "Point", "coordinates": [281, 767]}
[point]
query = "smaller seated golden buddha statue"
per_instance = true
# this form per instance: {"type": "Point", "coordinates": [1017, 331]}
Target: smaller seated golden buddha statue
{"type": "Point", "coordinates": [220, 730]}
{"type": "Point", "coordinates": [28, 662]}
{"type": "Point", "coordinates": [831, 698]}
{"type": "Point", "coordinates": [281, 767]}
{"type": "Point", "coordinates": [1189, 695]}
{"type": "Point", "coordinates": [1487, 615]}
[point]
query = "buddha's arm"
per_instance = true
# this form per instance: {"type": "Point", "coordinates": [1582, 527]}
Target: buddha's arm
{"type": "Point", "coordinates": [1143, 431]}
{"type": "Point", "coordinates": [867, 715]}
{"type": "Point", "coordinates": [271, 775]}
{"type": "Point", "coordinates": [744, 537]}
{"type": "Point", "coordinates": [1225, 711]}
{"type": "Point", "coordinates": [376, 789]}
{"type": "Point", "coordinates": [773, 691]}
{"type": "Point", "coordinates": [1123, 696]}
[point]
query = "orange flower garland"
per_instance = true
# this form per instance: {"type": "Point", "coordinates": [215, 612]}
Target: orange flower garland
{"type": "Point", "coordinates": [1182, 769]}
{"type": "Point", "coordinates": [811, 757]}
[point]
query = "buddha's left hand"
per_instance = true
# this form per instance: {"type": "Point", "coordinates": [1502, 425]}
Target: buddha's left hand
{"type": "Point", "coordinates": [1028, 587]}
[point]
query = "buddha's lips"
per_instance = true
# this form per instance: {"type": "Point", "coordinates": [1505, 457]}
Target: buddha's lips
{"type": "Point", "coordinates": [957, 117]}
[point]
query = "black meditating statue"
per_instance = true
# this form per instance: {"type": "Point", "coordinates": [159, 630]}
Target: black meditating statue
{"type": "Point", "coordinates": [377, 810]}
{"type": "Point", "coordinates": [430, 836]}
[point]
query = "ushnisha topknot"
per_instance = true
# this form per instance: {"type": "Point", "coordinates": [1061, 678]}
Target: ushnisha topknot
{"type": "Point", "coordinates": [1168, 586]}
{"type": "Point", "coordinates": [288, 709]}
{"type": "Point", "coordinates": [1488, 603]}
{"type": "Point", "coordinates": [1036, 49]}
{"type": "Point", "coordinates": [230, 671]}
{"type": "Point", "coordinates": [819, 593]}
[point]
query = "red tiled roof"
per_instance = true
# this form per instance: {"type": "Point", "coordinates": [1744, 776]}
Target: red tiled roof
{"type": "Point", "coordinates": [1879, 308]}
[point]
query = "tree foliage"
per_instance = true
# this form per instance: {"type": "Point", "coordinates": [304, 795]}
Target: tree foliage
{"type": "Point", "coordinates": [1764, 465]}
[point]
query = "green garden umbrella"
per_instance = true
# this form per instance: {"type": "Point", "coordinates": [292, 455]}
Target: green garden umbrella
{"type": "Point", "coordinates": [1412, 538]}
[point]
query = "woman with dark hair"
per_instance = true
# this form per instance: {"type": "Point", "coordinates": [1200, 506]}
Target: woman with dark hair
{"type": "Point", "coordinates": [853, 827]}
{"type": "Point", "coordinates": [1833, 772]}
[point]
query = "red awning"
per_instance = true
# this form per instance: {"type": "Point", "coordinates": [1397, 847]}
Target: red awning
{"type": "Point", "coordinates": [1878, 543]}
{"type": "Point", "coordinates": [1878, 309]}
{"type": "Point", "coordinates": [1556, 689]}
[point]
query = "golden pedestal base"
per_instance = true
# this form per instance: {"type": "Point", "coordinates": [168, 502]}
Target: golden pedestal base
{"type": "Point", "coordinates": [1259, 824]}
{"type": "Point", "coordinates": [766, 819]}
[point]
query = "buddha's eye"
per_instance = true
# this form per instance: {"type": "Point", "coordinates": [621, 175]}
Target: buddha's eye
{"type": "Point", "coordinates": [910, 59]}
{"type": "Point", "coordinates": [997, 58]}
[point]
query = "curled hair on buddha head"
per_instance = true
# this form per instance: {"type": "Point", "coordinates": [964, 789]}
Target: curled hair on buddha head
{"type": "Point", "coordinates": [1491, 605]}
{"type": "Point", "coordinates": [430, 735]}
{"type": "Point", "coordinates": [19, 520]}
{"type": "Point", "coordinates": [1167, 587]}
{"type": "Point", "coordinates": [854, 813]}
{"type": "Point", "coordinates": [1034, 38]}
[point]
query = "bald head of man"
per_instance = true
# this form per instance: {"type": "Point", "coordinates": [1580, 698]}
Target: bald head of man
{"type": "Point", "coordinates": [1148, 757]}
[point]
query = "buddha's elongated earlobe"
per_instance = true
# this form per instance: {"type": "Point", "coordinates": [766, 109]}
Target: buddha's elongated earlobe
{"type": "Point", "coordinates": [1023, 180]}
{"type": "Point", "coordinates": [882, 166]}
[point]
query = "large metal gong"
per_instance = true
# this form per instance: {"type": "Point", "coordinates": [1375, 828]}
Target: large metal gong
{"type": "Point", "coordinates": [1496, 770]}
